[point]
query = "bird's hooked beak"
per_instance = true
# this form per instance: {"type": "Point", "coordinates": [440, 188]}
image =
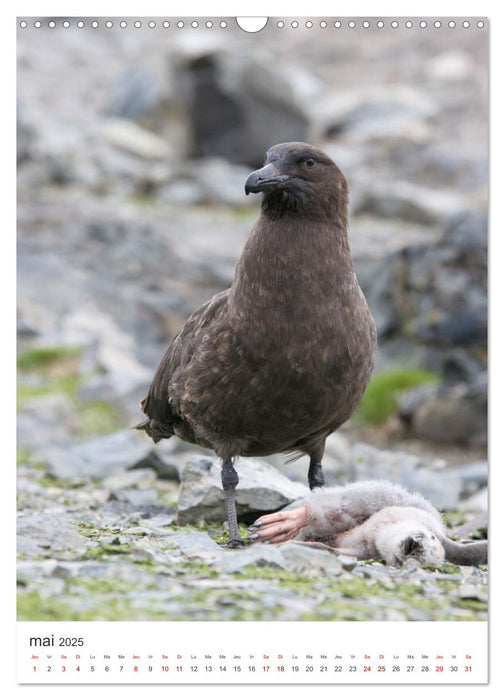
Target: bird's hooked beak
{"type": "Point", "coordinates": [264, 179]}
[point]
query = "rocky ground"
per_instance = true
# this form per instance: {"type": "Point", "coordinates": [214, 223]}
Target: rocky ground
{"type": "Point", "coordinates": [115, 530]}
{"type": "Point", "coordinates": [131, 212]}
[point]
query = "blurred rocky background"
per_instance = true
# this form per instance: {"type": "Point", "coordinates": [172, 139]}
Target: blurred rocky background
{"type": "Point", "coordinates": [133, 147]}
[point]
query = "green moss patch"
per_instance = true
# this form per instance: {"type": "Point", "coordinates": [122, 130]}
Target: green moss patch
{"type": "Point", "coordinates": [380, 400]}
{"type": "Point", "coordinates": [43, 357]}
{"type": "Point", "coordinates": [44, 371]}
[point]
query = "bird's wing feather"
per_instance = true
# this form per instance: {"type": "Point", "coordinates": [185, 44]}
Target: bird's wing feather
{"type": "Point", "coordinates": [158, 404]}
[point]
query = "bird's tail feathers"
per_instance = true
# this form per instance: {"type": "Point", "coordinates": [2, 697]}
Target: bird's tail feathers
{"type": "Point", "coordinates": [154, 429]}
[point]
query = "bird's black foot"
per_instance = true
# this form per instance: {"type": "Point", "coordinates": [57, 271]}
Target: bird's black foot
{"type": "Point", "coordinates": [229, 482]}
{"type": "Point", "coordinates": [315, 475]}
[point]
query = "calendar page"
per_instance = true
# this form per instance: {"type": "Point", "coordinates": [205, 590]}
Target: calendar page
{"type": "Point", "coordinates": [252, 349]}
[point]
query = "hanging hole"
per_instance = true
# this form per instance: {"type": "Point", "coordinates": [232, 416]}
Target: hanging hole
{"type": "Point", "coordinates": [251, 24]}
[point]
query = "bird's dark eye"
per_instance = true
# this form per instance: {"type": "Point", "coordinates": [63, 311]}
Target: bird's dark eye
{"type": "Point", "coordinates": [310, 162]}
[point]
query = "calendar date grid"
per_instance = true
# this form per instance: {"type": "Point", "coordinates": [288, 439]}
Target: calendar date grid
{"type": "Point", "coordinates": [259, 664]}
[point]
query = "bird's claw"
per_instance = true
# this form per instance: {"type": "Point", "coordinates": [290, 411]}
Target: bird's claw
{"type": "Point", "coordinates": [235, 543]}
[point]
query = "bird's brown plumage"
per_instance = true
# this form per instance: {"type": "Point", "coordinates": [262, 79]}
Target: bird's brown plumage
{"type": "Point", "coordinates": [282, 358]}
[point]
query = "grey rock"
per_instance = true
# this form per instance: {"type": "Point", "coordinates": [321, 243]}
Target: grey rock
{"type": "Point", "coordinates": [238, 109]}
{"type": "Point", "coordinates": [348, 563]}
{"type": "Point", "coordinates": [428, 477]}
{"type": "Point", "coordinates": [256, 555]}
{"type": "Point", "coordinates": [100, 458]}
{"type": "Point", "coordinates": [134, 95]}
{"type": "Point", "coordinates": [455, 418]}
{"type": "Point", "coordinates": [410, 202]}
{"type": "Point", "coordinates": [208, 180]}
{"type": "Point", "coordinates": [198, 545]}
{"type": "Point", "coordinates": [477, 502]}
{"type": "Point", "coordinates": [457, 365]}
{"type": "Point", "coordinates": [182, 191]}
{"type": "Point", "coordinates": [297, 470]}
{"type": "Point", "coordinates": [370, 112]}
{"type": "Point", "coordinates": [132, 138]}
{"type": "Point", "coordinates": [169, 458]}
{"type": "Point", "coordinates": [221, 182]}
{"type": "Point", "coordinates": [261, 490]}
{"type": "Point", "coordinates": [467, 232]}
{"type": "Point", "coordinates": [140, 478]}
{"type": "Point", "coordinates": [338, 447]}
{"type": "Point", "coordinates": [469, 591]}
{"type": "Point", "coordinates": [449, 413]}
{"type": "Point", "coordinates": [78, 569]}
{"type": "Point", "coordinates": [46, 422]}
{"type": "Point", "coordinates": [435, 294]}
{"type": "Point", "coordinates": [25, 136]}
{"type": "Point", "coordinates": [309, 561]}
{"type": "Point", "coordinates": [139, 498]}
{"type": "Point", "coordinates": [50, 534]}
{"type": "Point", "coordinates": [471, 527]}
{"type": "Point", "coordinates": [28, 571]}
{"type": "Point", "coordinates": [474, 475]}
{"type": "Point", "coordinates": [409, 401]}
{"type": "Point", "coordinates": [110, 349]}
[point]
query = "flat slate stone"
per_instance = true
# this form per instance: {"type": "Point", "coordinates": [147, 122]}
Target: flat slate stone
{"type": "Point", "coordinates": [309, 561]}
{"type": "Point", "coordinates": [100, 458]}
{"type": "Point", "coordinates": [50, 534]}
{"type": "Point", "coordinates": [256, 555]}
{"type": "Point", "coordinates": [262, 489]}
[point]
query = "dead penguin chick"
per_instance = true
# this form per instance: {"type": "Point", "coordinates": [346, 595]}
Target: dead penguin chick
{"type": "Point", "coordinates": [371, 520]}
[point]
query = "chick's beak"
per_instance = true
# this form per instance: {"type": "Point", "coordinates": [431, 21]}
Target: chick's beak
{"type": "Point", "coordinates": [264, 179]}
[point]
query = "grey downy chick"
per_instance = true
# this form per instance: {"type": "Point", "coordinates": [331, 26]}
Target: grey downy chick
{"type": "Point", "coordinates": [371, 520]}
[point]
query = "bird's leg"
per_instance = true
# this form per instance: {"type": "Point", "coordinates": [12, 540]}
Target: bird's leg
{"type": "Point", "coordinates": [315, 474]}
{"type": "Point", "coordinates": [229, 479]}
